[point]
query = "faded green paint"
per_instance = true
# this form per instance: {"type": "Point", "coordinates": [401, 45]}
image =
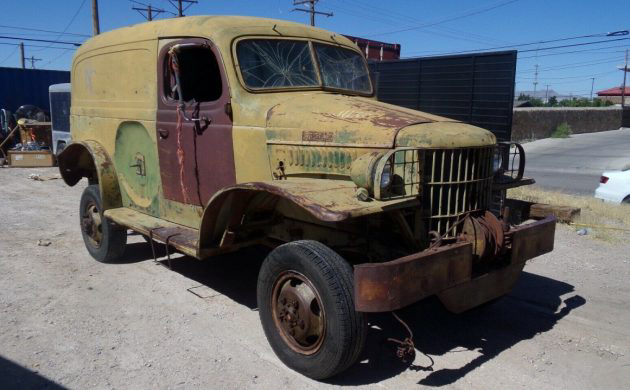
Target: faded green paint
{"type": "Point", "coordinates": [137, 167]}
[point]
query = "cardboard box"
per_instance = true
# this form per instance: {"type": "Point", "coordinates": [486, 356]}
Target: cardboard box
{"type": "Point", "coordinates": [31, 158]}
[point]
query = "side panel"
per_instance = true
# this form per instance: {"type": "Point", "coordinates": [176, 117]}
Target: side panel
{"type": "Point", "coordinates": [111, 87]}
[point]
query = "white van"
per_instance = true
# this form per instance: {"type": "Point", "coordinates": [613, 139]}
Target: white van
{"type": "Point", "coordinates": [60, 116]}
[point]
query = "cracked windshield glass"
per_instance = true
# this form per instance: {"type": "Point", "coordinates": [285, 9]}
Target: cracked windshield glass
{"type": "Point", "coordinates": [269, 64]}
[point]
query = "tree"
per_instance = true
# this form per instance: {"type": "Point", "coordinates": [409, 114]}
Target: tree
{"type": "Point", "coordinates": [552, 102]}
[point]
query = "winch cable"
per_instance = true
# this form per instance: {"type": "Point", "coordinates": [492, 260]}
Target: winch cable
{"type": "Point", "coordinates": [406, 348]}
{"type": "Point", "coordinates": [437, 242]}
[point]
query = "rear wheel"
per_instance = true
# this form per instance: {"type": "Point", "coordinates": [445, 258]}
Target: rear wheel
{"type": "Point", "coordinates": [306, 303]}
{"type": "Point", "coordinates": [626, 200]}
{"type": "Point", "coordinates": [103, 239]}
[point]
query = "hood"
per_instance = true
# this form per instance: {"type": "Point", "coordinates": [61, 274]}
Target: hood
{"type": "Point", "coordinates": [352, 121]}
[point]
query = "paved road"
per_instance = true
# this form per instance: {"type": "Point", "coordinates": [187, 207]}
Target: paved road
{"type": "Point", "coordinates": [69, 321]}
{"type": "Point", "coordinates": [575, 164]}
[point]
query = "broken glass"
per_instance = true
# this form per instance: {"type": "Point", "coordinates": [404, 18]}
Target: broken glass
{"type": "Point", "coordinates": [342, 68]}
{"type": "Point", "coordinates": [275, 63]}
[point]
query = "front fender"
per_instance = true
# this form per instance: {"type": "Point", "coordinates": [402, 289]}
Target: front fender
{"type": "Point", "coordinates": [325, 200]}
{"type": "Point", "coordinates": [89, 159]}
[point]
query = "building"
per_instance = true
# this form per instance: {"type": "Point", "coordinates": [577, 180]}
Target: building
{"type": "Point", "coordinates": [375, 50]}
{"type": "Point", "coordinates": [28, 86]}
{"type": "Point", "coordinates": [614, 95]}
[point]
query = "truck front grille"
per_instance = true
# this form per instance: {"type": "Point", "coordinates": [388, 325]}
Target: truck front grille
{"type": "Point", "coordinates": [455, 182]}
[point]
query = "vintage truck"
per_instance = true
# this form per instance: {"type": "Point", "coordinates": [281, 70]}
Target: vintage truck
{"type": "Point", "coordinates": [212, 133]}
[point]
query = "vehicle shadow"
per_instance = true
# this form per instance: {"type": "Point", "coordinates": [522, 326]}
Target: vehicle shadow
{"type": "Point", "coordinates": [534, 306]}
{"type": "Point", "coordinates": [233, 274]}
{"type": "Point", "coordinates": [14, 376]}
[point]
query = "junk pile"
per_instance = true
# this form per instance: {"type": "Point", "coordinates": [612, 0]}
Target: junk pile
{"type": "Point", "coordinates": [33, 148]}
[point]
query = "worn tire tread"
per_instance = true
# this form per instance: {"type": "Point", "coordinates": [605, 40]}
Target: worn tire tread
{"type": "Point", "coordinates": [338, 277]}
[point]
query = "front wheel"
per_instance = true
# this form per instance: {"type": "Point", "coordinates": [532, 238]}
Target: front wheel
{"type": "Point", "coordinates": [306, 304]}
{"type": "Point", "coordinates": [105, 241]}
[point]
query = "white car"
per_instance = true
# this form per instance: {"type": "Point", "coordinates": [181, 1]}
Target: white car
{"type": "Point", "coordinates": [614, 186]}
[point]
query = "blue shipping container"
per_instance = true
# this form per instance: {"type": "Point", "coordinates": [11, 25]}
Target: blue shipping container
{"type": "Point", "coordinates": [28, 86]}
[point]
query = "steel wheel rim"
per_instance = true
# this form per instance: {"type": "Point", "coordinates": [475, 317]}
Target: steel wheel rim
{"type": "Point", "coordinates": [91, 224]}
{"type": "Point", "coordinates": [298, 313]}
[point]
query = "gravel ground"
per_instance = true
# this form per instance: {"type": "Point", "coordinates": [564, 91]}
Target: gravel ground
{"type": "Point", "coordinates": [68, 321]}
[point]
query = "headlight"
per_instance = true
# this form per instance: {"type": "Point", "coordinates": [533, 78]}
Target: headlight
{"type": "Point", "coordinates": [386, 176]}
{"type": "Point", "coordinates": [364, 172]}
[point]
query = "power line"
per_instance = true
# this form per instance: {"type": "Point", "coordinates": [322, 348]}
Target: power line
{"type": "Point", "coordinates": [450, 19]}
{"type": "Point", "coordinates": [10, 55]}
{"type": "Point", "coordinates": [578, 64]}
{"type": "Point", "coordinates": [17, 45]}
{"type": "Point", "coordinates": [529, 50]}
{"type": "Point", "coordinates": [40, 40]}
{"type": "Point", "coordinates": [574, 45]}
{"type": "Point", "coordinates": [579, 51]}
{"type": "Point", "coordinates": [448, 33]}
{"type": "Point", "coordinates": [527, 79]}
{"type": "Point", "coordinates": [47, 31]}
{"type": "Point", "coordinates": [69, 23]}
{"type": "Point", "coordinates": [64, 52]}
{"type": "Point", "coordinates": [613, 34]}
{"type": "Point", "coordinates": [391, 17]}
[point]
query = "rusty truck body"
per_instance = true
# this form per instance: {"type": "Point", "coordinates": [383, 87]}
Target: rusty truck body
{"type": "Point", "coordinates": [212, 133]}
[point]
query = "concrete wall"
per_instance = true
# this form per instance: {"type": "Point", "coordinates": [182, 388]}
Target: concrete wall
{"type": "Point", "coordinates": [540, 122]}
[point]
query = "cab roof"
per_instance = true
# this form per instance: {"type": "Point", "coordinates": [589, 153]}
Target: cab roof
{"type": "Point", "coordinates": [219, 29]}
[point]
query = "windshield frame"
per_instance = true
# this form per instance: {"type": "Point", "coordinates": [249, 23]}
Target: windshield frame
{"type": "Point", "coordinates": [315, 59]}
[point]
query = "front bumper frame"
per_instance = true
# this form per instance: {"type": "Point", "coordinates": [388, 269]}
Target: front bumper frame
{"type": "Point", "coordinates": [447, 271]}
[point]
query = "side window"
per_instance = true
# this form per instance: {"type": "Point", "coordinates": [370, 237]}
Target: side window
{"type": "Point", "coordinates": [200, 75]}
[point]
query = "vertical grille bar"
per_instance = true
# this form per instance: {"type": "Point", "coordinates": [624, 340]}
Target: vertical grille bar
{"type": "Point", "coordinates": [456, 181]}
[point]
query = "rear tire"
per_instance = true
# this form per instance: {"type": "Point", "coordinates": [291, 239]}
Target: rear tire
{"type": "Point", "coordinates": [626, 200]}
{"type": "Point", "coordinates": [104, 240]}
{"type": "Point", "coordinates": [306, 304]}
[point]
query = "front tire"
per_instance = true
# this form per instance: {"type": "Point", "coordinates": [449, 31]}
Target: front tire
{"type": "Point", "coordinates": [306, 304]}
{"type": "Point", "coordinates": [103, 239]}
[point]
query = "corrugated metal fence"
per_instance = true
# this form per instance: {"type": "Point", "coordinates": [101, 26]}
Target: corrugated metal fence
{"type": "Point", "coordinates": [28, 86]}
{"type": "Point", "coordinates": [473, 88]}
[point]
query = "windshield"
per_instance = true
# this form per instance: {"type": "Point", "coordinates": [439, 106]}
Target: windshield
{"type": "Point", "coordinates": [280, 63]}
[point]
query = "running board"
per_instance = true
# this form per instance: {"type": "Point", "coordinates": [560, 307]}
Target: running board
{"type": "Point", "coordinates": [183, 238]}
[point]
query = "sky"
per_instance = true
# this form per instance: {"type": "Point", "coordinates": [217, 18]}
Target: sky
{"type": "Point", "coordinates": [422, 27]}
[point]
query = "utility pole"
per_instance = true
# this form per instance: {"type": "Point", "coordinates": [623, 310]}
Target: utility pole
{"type": "Point", "coordinates": [623, 89]}
{"type": "Point", "coordinates": [33, 60]}
{"type": "Point", "coordinates": [547, 94]}
{"type": "Point", "coordinates": [592, 84]}
{"type": "Point", "coordinates": [22, 55]}
{"type": "Point", "coordinates": [150, 11]}
{"type": "Point", "coordinates": [535, 78]}
{"type": "Point", "coordinates": [311, 9]}
{"type": "Point", "coordinates": [95, 24]}
{"type": "Point", "coordinates": [179, 4]}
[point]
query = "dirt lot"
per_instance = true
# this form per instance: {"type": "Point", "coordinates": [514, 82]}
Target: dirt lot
{"type": "Point", "coordinates": [66, 320]}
